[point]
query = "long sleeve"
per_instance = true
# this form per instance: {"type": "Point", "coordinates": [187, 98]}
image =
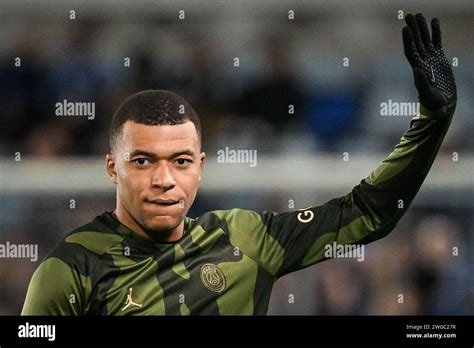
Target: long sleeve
{"type": "Point", "coordinates": [286, 242]}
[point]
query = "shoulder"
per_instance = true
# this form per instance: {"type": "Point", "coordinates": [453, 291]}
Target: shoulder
{"type": "Point", "coordinates": [236, 215]}
{"type": "Point", "coordinates": [95, 236]}
{"type": "Point", "coordinates": [246, 218]}
{"type": "Point", "coordinates": [86, 244]}
{"type": "Point", "coordinates": [227, 219]}
{"type": "Point", "coordinates": [235, 219]}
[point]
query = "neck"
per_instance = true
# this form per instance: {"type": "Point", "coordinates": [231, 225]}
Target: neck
{"type": "Point", "coordinates": [162, 236]}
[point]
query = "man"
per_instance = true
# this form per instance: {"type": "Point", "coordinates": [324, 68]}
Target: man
{"type": "Point", "coordinates": [148, 257]}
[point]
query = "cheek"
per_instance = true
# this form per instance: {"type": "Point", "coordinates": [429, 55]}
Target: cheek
{"type": "Point", "coordinates": [131, 183]}
{"type": "Point", "coordinates": [189, 184]}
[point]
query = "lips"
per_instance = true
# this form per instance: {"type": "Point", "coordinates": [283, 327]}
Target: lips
{"type": "Point", "coordinates": [163, 202]}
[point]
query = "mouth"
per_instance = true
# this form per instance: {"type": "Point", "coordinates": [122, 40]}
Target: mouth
{"type": "Point", "coordinates": [163, 202]}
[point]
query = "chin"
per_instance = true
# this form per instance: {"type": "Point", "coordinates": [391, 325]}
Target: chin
{"type": "Point", "coordinates": [162, 223]}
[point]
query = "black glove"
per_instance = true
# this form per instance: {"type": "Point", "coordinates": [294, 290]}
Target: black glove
{"type": "Point", "coordinates": [434, 77]}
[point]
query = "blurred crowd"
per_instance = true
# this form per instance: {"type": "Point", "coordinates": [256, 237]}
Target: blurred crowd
{"type": "Point", "coordinates": [266, 100]}
{"type": "Point", "coordinates": [28, 95]}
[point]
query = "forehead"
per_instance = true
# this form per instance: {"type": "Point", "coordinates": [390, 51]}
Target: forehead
{"type": "Point", "coordinates": [160, 139]}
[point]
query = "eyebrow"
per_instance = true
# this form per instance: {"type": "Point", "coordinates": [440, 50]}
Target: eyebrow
{"type": "Point", "coordinates": [154, 156]}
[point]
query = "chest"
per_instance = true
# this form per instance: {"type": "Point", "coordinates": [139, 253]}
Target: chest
{"type": "Point", "coordinates": [196, 276]}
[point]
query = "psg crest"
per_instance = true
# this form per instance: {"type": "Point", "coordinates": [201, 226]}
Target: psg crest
{"type": "Point", "coordinates": [212, 277]}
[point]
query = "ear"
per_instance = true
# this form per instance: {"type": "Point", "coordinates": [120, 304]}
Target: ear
{"type": "Point", "coordinates": [202, 162]}
{"type": "Point", "coordinates": [110, 166]}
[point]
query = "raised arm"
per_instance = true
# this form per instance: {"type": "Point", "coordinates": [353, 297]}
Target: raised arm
{"type": "Point", "coordinates": [290, 241]}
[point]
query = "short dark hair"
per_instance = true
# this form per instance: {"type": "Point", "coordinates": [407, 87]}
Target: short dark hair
{"type": "Point", "coordinates": [153, 108]}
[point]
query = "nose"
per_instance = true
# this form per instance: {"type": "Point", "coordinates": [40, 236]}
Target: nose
{"type": "Point", "coordinates": [163, 177]}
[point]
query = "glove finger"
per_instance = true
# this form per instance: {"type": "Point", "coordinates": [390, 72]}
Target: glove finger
{"type": "Point", "coordinates": [411, 22]}
{"type": "Point", "coordinates": [436, 30]}
{"type": "Point", "coordinates": [409, 48]}
{"type": "Point", "coordinates": [424, 31]}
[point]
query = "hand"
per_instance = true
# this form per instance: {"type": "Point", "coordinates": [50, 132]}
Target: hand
{"type": "Point", "coordinates": [434, 77]}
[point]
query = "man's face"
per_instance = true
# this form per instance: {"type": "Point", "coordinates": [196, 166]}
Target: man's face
{"type": "Point", "coordinates": [157, 170]}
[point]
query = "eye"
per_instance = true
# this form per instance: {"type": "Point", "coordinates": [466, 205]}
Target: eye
{"type": "Point", "coordinates": [182, 162]}
{"type": "Point", "coordinates": [142, 162]}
